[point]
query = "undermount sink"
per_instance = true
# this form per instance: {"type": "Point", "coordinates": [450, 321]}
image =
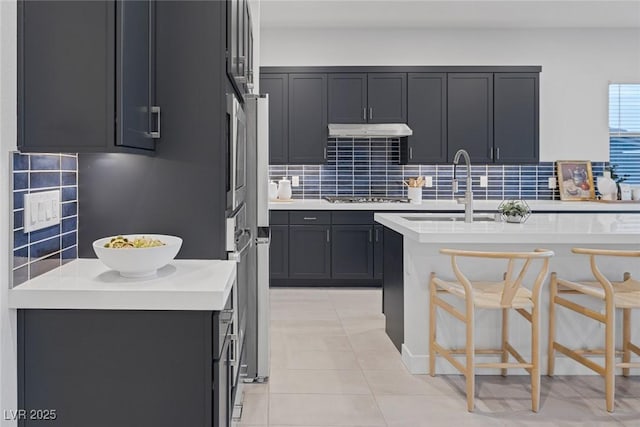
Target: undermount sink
{"type": "Point", "coordinates": [450, 218]}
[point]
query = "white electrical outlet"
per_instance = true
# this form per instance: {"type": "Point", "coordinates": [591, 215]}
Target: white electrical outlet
{"type": "Point", "coordinates": [484, 181]}
{"type": "Point", "coordinates": [428, 181]}
{"type": "Point", "coordinates": [552, 183]}
{"type": "Point", "coordinates": [295, 181]}
{"type": "Point", "coordinates": [41, 210]}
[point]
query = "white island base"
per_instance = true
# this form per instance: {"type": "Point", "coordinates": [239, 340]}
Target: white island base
{"type": "Point", "coordinates": [558, 232]}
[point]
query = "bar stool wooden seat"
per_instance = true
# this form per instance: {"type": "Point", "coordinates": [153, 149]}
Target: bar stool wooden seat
{"type": "Point", "coordinates": [623, 295]}
{"type": "Point", "coordinates": [505, 294]}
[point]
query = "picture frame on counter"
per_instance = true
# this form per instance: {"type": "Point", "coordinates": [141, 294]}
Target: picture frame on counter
{"type": "Point", "coordinates": [575, 180]}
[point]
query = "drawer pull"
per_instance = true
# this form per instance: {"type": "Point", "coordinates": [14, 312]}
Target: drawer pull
{"type": "Point", "coordinates": [310, 218]}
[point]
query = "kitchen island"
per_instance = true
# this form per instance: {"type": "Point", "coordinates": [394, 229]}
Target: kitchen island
{"type": "Point", "coordinates": [412, 244]}
{"type": "Point", "coordinates": [99, 350]}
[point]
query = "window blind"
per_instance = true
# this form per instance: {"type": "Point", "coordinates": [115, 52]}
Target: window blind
{"type": "Point", "coordinates": [624, 129]}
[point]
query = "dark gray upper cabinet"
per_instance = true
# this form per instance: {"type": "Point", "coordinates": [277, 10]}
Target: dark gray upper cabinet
{"type": "Point", "coordinates": [348, 98]}
{"type": "Point", "coordinates": [427, 114]}
{"type": "Point", "coordinates": [515, 121]}
{"type": "Point", "coordinates": [387, 97]}
{"type": "Point", "coordinates": [86, 76]}
{"type": "Point", "coordinates": [470, 115]}
{"type": "Point", "coordinates": [309, 251]}
{"type": "Point", "coordinates": [239, 55]}
{"type": "Point", "coordinates": [277, 87]}
{"type": "Point", "coordinates": [66, 75]}
{"type": "Point", "coordinates": [352, 252]}
{"type": "Point", "coordinates": [136, 103]}
{"type": "Point", "coordinates": [307, 118]}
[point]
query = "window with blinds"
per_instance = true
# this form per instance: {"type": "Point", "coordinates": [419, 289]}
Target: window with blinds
{"type": "Point", "coordinates": [624, 129]}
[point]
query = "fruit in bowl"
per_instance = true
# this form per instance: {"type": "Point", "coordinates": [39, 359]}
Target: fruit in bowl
{"type": "Point", "coordinates": [137, 255]}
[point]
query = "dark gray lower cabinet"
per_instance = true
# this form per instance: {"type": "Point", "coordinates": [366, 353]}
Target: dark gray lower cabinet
{"type": "Point", "coordinates": [279, 252]}
{"type": "Point", "coordinates": [352, 252]}
{"type": "Point", "coordinates": [393, 287]}
{"type": "Point", "coordinates": [378, 251]}
{"type": "Point", "coordinates": [309, 251]}
{"type": "Point", "coordinates": [106, 368]}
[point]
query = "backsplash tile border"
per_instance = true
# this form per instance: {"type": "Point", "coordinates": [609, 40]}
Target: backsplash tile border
{"type": "Point", "coordinates": [370, 167]}
{"type": "Point", "coordinates": [43, 250]}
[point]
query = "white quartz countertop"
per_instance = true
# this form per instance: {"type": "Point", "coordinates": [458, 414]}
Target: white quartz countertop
{"type": "Point", "coordinates": [452, 205]}
{"type": "Point", "coordinates": [540, 228]}
{"type": "Point", "coordinates": [89, 284]}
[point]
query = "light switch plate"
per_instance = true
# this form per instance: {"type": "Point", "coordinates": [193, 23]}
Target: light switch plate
{"type": "Point", "coordinates": [41, 210]}
{"type": "Point", "coordinates": [484, 181]}
{"type": "Point", "coordinates": [552, 183]}
{"type": "Point", "coordinates": [428, 181]}
{"type": "Point", "coordinates": [295, 181]}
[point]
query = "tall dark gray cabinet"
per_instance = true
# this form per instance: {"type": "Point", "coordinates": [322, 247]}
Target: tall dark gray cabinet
{"type": "Point", "coordinates": [83, 64]}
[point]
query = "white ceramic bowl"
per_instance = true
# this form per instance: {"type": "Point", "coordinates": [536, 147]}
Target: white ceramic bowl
{"type": "Point", "coordinates": [138, 262]}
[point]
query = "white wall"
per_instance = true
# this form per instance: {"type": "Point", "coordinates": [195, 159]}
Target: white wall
{"type": "Point", "coordinates": [8, 123]}
{"type": "Point", "coordinates": [577, 65]}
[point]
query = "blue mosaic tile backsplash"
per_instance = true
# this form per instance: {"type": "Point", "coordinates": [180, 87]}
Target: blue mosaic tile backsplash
{"type": "Point", "coordinates": [42, 250]}
{"type": "Point", "coordinates": [369, 167]}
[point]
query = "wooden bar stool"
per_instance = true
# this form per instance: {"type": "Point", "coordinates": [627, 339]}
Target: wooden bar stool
{"type": "Point", "coordinates": [501, 295]}
{"type": "Point", "coordinates": [624, 295]}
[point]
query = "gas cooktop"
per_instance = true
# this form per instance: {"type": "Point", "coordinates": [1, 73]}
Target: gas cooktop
{"type": "Point", "coordinates": [365, 199]}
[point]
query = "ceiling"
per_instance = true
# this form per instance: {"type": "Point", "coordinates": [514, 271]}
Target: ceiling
{"type": "Point", "coordinates": [455, 14]}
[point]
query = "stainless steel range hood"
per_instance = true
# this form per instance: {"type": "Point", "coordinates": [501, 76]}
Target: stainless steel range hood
{"type": "Point", "coordinates": [378, 130]}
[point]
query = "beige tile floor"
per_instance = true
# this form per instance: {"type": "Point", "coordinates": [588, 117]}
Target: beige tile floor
{"type": "Point", "coordinates": [333, 365]}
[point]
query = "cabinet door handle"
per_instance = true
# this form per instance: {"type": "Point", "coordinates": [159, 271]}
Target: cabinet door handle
{"type": "Point", "coordinates": [497, 153]}
{"type": "Point", "coordinates": [325, 153]}
{"type": "Point", "coordinates": [310, 218]}
{"type": "Point", "coordinates": [364, 114]}
{"type": "Point", "coordinates": [370, 113]}
{"type": "Point", "coordinates": [377, 239]}
{"type": "Point", "coordinates": [328, 237]}
{"type": "Point", "coordinates": [491, 153]}
{"type": "Point", "coordinates": [411, 152]}
{"type": "Point", "coordinates": [156, 133]}
{"type": "Point", "coordinates": [370, 236]}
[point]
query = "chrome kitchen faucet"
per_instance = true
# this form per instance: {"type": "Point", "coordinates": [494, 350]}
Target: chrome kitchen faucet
{"type": "Point", "coordinates": [467, 200]}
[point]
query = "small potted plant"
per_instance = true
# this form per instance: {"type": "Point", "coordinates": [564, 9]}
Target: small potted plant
{"type": "Point", "coordinates": [516, 211]}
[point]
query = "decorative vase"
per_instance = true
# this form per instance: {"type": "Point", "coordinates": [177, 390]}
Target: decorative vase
{"type": "Point", "coordinates": [514, 218]}
{"type": "Point", "coordinates": [284, 189]}
{"type": "Point", "coordinates": [415, 195]}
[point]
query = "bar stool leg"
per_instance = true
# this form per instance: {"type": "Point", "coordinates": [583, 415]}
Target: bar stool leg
{"type": "Point", "coordinates": [535, 357]}
{"type": "Point", "coordinates": [553, 287]}
{"type": "Point", "coordinates": [626, 339]}
{"type": "Point", "coordinates": [432, 325]}
{"type": "Point", "coordinates": [470, 350]}
{"type": "Point", "coordinates": [505, 338]}
{"type": "Point", "coordinates": [610, 361]}
{"type": "Point", "coordinates": [626, 334]}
